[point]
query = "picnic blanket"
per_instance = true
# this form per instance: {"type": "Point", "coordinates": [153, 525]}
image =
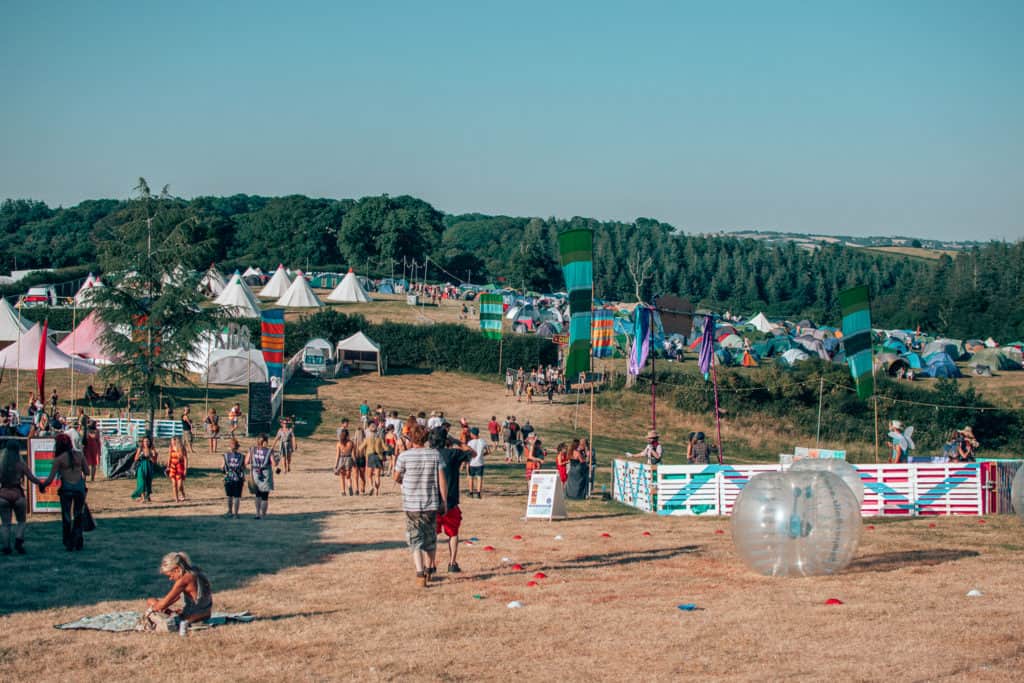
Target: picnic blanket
{"type": "Point", "coordinates": [119, 622]}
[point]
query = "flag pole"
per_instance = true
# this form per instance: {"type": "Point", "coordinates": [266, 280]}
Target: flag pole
{"type": "Point", "coordinates": [74, 350]}
{"type": "Point", "coordinates": [718, 416]}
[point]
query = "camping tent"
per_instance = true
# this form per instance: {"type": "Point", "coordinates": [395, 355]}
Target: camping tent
{"type": "Point", "coordinates": [359, 351]}
{"type": "Point", "coordinates": [24, 355]}
{"type": "Point", "coordinates": [236, 367]}
{"type": "Point", "coordinates": [349, 291]}
{"type": "Point", "coordinates": [84, 295]}
{"type": "Point", "coordinates": [940, 365]}
{"type": "Point", "coordinates": [761, 323]}
{"type": "Point", "coordinates": [84, 341]}
{"type": "Point", "coordinates": [948, 346]}
{"type": "Point", "coordinates": [730, 341]}
{"type": "Point", "coordinates": [278, 284]}
{"type": "Point", "coordinates": [11, 324]}
{"type": "Point", "coordinates": [85, 287]}
{"type": "Point", "coordinates": [238, 300]}
{"type": "Point", "coordinates": [212, 282]}
{"type": "Point", "coordinates": [996, 359]}
{"type": "Point", "coordinates": [250, 272]}
{"type": "Point", "coordinates": [748, 360]}
{"type": "Point", "coordinates": [299, 294]}
{"type": "Point", "coordinates": [794, 356]}
{"type": "Point", "coordinates": [890, 364]}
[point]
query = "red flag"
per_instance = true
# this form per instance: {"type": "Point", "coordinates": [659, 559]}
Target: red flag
{"type": "Point", "coordinates": [41, 365]}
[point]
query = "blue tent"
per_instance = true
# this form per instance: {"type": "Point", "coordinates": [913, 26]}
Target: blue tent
{"type": "Point", "coordinates": [940, 365]}
{"type": "Point", "coordinates": [895, 345]}
{"type": "Point", "coordinates": [913, 360]}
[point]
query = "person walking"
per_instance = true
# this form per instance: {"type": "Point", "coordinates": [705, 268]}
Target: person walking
{"type": "Point", "coordinates": [374, 448]}
{"type": "Point", "coordinates": [234, 415]}
{"type": "Point", "coordinates": [71, 468]}
{"type": "Point", "coordinates": [476, 463]}
{"type": "Point", "coordinates": [261, 462]}
{"type": "Point", "coordinates": [284, 443]}
{"type": "Point", "coordinates": [562, 462]}
{"type": "Point", "coordinates": [234, 476]}
{"type": "Point", "coordinates": [177, 467]}
{"type": "Point", "coordinates": [212, 422]}
{"type": "Point", "coordinates": [534, 453]}
{"type": "Point", "coordinates": [13, 501]}
{"type": "Point", "coordinates": [92, 446]}
{"type": "Point", "coordinates": [424, 495]}
{"type": "Point", "coordinates": [186, 426]}
{"type": "Point", "coordinates": [344, 461]}
{"type": "Point", "coordinates": [145, 466]}
{"type": "Point", "coordinates": [453, 456]}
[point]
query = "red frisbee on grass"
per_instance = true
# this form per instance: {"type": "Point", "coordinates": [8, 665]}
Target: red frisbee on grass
{"type": "Point", "coordinates": [540, 575]}
{"type": "Point", "coordinates": [489, 548]}
{"type": "Point", "coordinates": [719, 531]}
{"type": "Point", "coordinates": [606, 535]}
{"type": "Point", "coordinates": [517, 567]}
{"type": "Point", "coordinates": [646, 533]}
{"type": "Point", "coordinates": [833, 601]}
{"type": "Point", "coordinates": [517, 537]}
{"type": "Point", "coordinates": [530, 584]}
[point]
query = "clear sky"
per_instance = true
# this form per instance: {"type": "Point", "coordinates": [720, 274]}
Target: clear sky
{"type": "Point", "coordinates": [848, 118]}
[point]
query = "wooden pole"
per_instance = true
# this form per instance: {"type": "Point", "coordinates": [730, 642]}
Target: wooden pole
{"type": "Point", "coordinates": [821, 391]}
{"type": "Point", "coordinates": [876, 429]}
{"type": "Point", "coordinates": [501, 345]}
{"type": "Point", "coordinates": [74, 349]}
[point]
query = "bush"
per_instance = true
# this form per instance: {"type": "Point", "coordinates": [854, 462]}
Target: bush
{"type": "Point", "coordinates": [59, 318]}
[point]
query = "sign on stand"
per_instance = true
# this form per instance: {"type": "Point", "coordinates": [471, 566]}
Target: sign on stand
{"type": "Point", "coordinates": [546, 499]}
{"type": "Point", "coordinates": [40, 461]}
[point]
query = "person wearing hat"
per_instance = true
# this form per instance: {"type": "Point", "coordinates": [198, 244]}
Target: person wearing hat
{"type": "Point", "coordinates": [966, 449]}
{"type": "Point", "coordinates": [897, 443]}
{"type": "Point", "coordinates": [652, 451]}
{"type": "Point", "coordinates": [436, 420]}
{"type": "Point", "coordinates": [697, 450]}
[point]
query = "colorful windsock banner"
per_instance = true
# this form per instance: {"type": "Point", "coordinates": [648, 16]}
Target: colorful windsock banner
{"type": "Point", "coordinates": [576, 248]}
{"type": "Point", "coordinates": [491, 310]}
{"type": "Point", "coordinates": [603, 331]}
{"type": "Point", "coordinates": [641, 348]}
{"type": "Point", "coordinates": [857, 338]}
{"type": "Point", "coordinates": [272, 341]}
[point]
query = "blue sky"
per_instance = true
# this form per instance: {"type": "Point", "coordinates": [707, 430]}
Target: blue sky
{"type": "Point", "coordinates": [847, 118]}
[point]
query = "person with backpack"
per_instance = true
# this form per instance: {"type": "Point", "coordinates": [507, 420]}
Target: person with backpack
{"type": "Point", "coordinates": [234, 476]}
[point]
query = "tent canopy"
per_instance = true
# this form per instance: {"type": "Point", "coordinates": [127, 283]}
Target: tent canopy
{"type": "Point", "coordinates": [299, 294]}
{"type": "Point", "coordinates": [278, 284]}
{"type": "Point", "coordinates": [24, 355]}
{"type": "Point", "coordinates": [85, 341]}
{"type": "Point", "coordinates": [11, 325]}
{"type": "Point", "coordinates": [761, 323]}
{"type": "Point", "coordinates": [238, 300]}
{"type": "Point", "coordinates": [361, 352]}
{"type": "Point", "coordinates": [349, 290]}
{"type": "Point", "coordinates": [236, 367]}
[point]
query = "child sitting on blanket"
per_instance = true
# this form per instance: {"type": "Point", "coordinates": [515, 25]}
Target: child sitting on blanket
{"type": "Point", "coordinates": [191, 584]}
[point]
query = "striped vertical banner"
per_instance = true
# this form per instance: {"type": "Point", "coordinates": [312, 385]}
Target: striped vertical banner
{"type": "Point", "coordinates": [603, 331]}
{"type": "Point", "coordinates": [857, 338]}
{"type": "Point", "coordinates": [272, 340]}
{"type": "Point", "coordinates": [576, 248]}
{"type": "Point", "coordinates": [491, 309]}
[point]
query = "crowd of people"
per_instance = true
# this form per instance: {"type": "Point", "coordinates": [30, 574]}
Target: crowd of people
{"type": "Point", "coordinates": [536, 382]}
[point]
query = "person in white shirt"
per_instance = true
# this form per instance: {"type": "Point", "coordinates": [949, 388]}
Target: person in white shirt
{"type": "Point", "coordinates": [476, 463]}
{"type": "Point", "coordinates": [652, 451]}
{"type": "Point", "coordinates": [436, 420]}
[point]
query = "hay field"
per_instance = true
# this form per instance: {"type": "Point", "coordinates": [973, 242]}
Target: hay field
{"type": "Point", "coordinates": [918, 252]}
{"type": "Point", "coordinates": [331, 581]}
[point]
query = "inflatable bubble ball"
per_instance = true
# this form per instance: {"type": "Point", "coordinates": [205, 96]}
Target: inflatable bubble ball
{"type": "Point", "coordinates": [1017, 493]}
{"type": "Point", "coordinates": [803, 523]}
{"type": "Point", "coordinates": [842, 469]}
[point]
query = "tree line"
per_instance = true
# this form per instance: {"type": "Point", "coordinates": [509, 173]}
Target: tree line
{"type": "Point", "coordinates": [977, 293]}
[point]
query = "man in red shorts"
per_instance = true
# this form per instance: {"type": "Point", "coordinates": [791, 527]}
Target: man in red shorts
{"type": "Point", "coordinates": [453, 455]}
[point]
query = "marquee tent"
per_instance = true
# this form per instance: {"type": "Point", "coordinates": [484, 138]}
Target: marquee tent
{"type": "Point", "coordinates": [278, 284]}
{"type": "Point", "coordinates": [359, 351]}
{"type": "Point", "coordinates": [24, 355]}
{"type": "Point", "coordinates": [236, 367]}
{"type": "Point", "coordinates": [11, 326]}
{"type": "Point", "coordinates": [299, 294]}
{"type": "Point", "coordinates": [238, 300]}
{"type": "Point", "coordinates": [84, 341]}
{"type": "Point", "coordinates": [349, 290]}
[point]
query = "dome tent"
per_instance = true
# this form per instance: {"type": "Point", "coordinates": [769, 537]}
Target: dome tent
{"type": "Point", "coordinates": [278, 284]}
{"type": "Point", "coordinates": [349, 290]}
{"type": "Point", "coordinates": [236, 367]}
{"type": "Point", "coordinates": [238, 300]}
{"type": "Point", "coordinates": [299, 294]}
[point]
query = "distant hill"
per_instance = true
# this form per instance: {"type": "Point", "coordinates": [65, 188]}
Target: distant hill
{"type": "Point", "coordinates": [928, 248]}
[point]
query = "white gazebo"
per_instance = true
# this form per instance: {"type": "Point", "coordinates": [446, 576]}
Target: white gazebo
{"type": "Point", "coordinates": [360, 352]}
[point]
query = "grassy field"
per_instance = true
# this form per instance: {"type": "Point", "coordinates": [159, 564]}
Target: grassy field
{"type": "Point", "coordinates": [331, 582]}
{"type": "Point", "coordinates": [917, 252]}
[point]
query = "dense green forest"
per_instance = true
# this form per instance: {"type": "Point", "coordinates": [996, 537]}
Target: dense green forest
{"type": "Point", "coordinates": [980, 292]}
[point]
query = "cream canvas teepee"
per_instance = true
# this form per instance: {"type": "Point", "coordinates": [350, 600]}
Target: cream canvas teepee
{"type": "Point", "coordinates": [349, 290]}
{"type": "Point", "coordinates": [238, 300]}
{"type": "Point", "coordinates": [213, 282]}
{"type": "Point", "coordinates": [11, 326]}
{"type": "Point", "coordinates": [25, 355]}
{"type": "Point", "coordinates": [278, 284]}
{"type": "Point", "coordinates": [299, 294]}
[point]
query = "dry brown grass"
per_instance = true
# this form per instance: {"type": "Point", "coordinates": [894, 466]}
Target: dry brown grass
{"type": "Point", "coordinates": [332, 582]}
{"type": "Point", "coordinates": [914, 251]}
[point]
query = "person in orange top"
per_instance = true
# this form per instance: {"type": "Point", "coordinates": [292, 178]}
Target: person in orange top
{"type": "Point", "coordinates": [177, 467]}
{"type": "Point", "coordinates": [534, 454]}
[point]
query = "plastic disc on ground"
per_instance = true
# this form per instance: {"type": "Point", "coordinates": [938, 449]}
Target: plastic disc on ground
{"type": "Point", "coordinates": [687, 607]}
{"type": "Point", "coordinates": [515, 604]}
{"type": "Point", "coordinates": [517, 567]}
{"type": "Point", "coordinates": [530, 584]}
{"type": "Point", "coordinates": [540, 575]}
{"type": "Point", "coordinates": [517, 537]}
{"type": "Point", "coordinates": [833, 601]}
{"type": "Point", "coordinates": [489, 548]}
{"type": "Point", "coordinates": [606, 535]}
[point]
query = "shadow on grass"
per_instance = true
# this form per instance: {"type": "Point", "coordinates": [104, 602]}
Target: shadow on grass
{"type": "Point", "coordinates": [887, 562]}
{"type": "Point", "coordinates": [627, 557]}
{"type": "Point", "coordinates": [122, 557]}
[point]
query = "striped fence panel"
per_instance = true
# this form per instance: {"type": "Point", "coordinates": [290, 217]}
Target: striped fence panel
{"type": "Point", "coordinates": [113, 426]}
{"type": "Point", "coordinates": [889, 489]}
{"type": "Point", "coordinates": [633, 484]}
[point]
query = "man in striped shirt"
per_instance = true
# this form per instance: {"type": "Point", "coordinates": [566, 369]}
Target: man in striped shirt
{"type": "Point", "coordinates": [424, 495]}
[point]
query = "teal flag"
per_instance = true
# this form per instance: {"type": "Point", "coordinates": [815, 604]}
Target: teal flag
{"type": "Point", "coordinates": [857, 338]}
{"type": "Point", "coordinates": [576, 248]}
{"type": "Point", "coordinates": [491, 309]}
